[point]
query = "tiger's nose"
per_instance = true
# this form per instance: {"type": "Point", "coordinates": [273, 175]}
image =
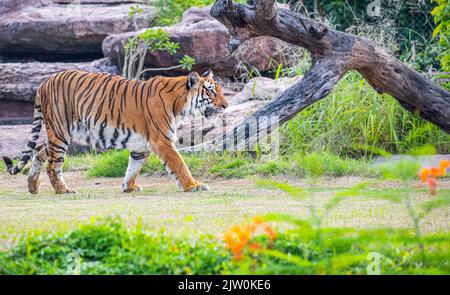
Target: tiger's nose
{"type": "Point", "coordinates": [224, 104]}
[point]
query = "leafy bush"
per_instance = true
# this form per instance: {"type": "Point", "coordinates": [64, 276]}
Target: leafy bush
{"type": "Point", "coordinates": [109, 247]}
{"type": "Point", "coordinates": [171, 11]}
{"type": "Point", "coordinates": [441, 15]}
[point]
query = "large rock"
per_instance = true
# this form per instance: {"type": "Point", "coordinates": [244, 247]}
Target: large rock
{"type": "Point", "coordinates": [255, 94]}
{"type": "Point", "coordinates": [9, 6]}
{"type": "Point", "coordinates": [205, 39]}
{"type": "Point", "coordinates": [67, 29]}
{"type": "Point", "coordinates": [19, 81]}
{"type": "Point", "coordinates": [98, 1]}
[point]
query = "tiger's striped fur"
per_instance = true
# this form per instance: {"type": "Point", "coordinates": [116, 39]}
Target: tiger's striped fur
{"type": "Point", "coordinates": [108, 112]}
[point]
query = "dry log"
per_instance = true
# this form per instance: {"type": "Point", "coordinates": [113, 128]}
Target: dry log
{"type": "Point", "coordinates": [334, 53]}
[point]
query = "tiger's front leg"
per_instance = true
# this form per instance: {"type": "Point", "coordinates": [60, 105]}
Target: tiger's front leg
{"type": "Point", "coordinates": [177, 169]}
{"type": "Point", "coordinates": [135, 163]}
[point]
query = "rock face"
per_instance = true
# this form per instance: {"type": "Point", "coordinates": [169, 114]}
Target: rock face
{"type": "Point", "coordinates": [19, 81]}
{"type": "Point", "coordinates": [255, 94]}
{"type": "Point", "coordinates": [98, 1]}
{"type": "Point", "coordinates": [263, 89]}
{"type": "Point", "coordinates": [66, 29]}
{"type": "Point", "coordinates": [205, 39]}
{"type": "Point", "coordinates": [9, 6]}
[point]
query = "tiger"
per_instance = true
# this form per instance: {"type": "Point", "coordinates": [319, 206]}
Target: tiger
{"type": "Point", "coordinates": [107, 111]}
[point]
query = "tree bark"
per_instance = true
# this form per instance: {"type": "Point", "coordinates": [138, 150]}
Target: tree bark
{"type": "Point", "coordinates": [333, 53]}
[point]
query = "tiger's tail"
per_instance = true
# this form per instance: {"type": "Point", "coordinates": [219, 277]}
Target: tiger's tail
{"type": "Point", "coordinates": [28, 151]}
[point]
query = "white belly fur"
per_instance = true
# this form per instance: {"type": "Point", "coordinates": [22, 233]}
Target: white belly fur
{"type": "Point", "coordinates": [91, 137]}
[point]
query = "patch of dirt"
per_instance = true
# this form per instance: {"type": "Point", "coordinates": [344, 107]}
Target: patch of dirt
{"type": "Point", "coordinates": [14, 138]}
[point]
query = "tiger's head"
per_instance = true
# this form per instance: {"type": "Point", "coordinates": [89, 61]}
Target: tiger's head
{"type": "Point", "coordinates": [207, 96]}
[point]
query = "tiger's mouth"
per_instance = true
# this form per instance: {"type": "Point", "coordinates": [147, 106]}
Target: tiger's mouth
{"type": "Point", "coordinates": [210, 111]}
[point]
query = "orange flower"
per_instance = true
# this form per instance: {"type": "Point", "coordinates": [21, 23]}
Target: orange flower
{"type": "Point", "coordinates": [255, 246]}
{"type": "Point", "coordinates": [443, 165]}
{"type": "Point", "coordinates": [435, 172]}
{"type": "Point", "coordinates": [237, 238]}
{"type": "Point", "coordinates": [270, 232]}
{"type": "Point", "coordinates": [432, 184]}
{"type": "Point", "coordinates": [228, 237]}
{"type": "Point", "coordinates": [424, 173]}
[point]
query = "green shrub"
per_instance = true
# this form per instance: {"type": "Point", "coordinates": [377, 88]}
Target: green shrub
{"type": "Point", "coordinates": [109, 247]}
{"type": "Point", "coordinates": [171, 11]}
{"type": "Point", "coordinates": [441, 15]}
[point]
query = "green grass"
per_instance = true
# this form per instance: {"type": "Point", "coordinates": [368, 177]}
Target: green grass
{"type": "Point", "coordinates": [171, 11]}
{"type": "Point", "coordinates": [110, 247]}
{"type": "Point", "coordinates": [355, 121]}
{"type": "Point", "coordinates": [227, 165]}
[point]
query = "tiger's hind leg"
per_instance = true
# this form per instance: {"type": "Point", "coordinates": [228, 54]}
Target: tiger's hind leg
{"type": "Point", "coordinates": [39, 158]}
{"type": "Point", "coordinates": [177, 169]}
{"type": "Point", "coordinates": [56, 153]}
{"type": "Point", "coordinates": [135, 164]}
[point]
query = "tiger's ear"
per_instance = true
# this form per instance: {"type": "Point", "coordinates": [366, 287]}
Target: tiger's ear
{"type": "Point", "coordinates": [208, 74]}
{"type": "Point", "coordinates": [192, 80]}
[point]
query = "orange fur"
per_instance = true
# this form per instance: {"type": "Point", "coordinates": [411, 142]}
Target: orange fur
{"type": "Point", "coordinates": [109, 112]}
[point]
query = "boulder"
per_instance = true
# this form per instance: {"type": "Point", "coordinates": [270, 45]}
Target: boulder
{"type": "Point", "coordinates": [263, 88]}
{"type": "Point", "coordinates": [255, 94]}
{"type": "Point", "coordinates": [67, 29]}
{"type": "Point", "coordinates": [15, 139]}
{"type": "Point", "coordinates": [9, 6]}
{"type": "Point", "coordinates": [99, 1]}
{"type": "Point", "coordinates": [19, 81]}
{"type": "Point", "coordinates": [205, 39]}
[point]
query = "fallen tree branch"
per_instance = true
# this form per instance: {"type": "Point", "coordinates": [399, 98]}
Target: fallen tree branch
{"type": "Point", "coordinates": [333, 53]}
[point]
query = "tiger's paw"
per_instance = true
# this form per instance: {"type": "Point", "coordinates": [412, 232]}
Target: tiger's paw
{"type": "Point", "coordinates": [197, 187]}
{"type": "Point", "coordinates": [66, 191]}
{"type": "Point", "coordinates": [33, 185]}
{"type": "Point", "coordinates": [131, 189]}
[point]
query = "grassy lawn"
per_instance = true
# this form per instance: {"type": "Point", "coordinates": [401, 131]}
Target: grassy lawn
{"type": "Point", "coordinates": [342, 208]}
{"type": "Point", "coordinates": [39, 232]}
{"type": "Point", "coordinates": [162, 205]}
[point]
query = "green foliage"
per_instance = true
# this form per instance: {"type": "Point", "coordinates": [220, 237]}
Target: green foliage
{"type": "Point", "coordinates": [110, 247]}
{"type": "Point", "coordinates": [135, 10]}
{"type": "Point", "coordinates": [401, 170]}
{"type": "Point", "coordinates": [227, 165]}
{"type": "Point", "coordinates": [441, 15]}
{"type": "Point", "coordinates": [114, 164]}
{"type": "Point", "coordinates": [187, 62]}
{"type": "Point", "coordinates": [171, 11]}
{"type": "Point", "coordinates": [152, 39]}
{"type": "Point", "coordinates": [354, 120]}
{"type": "Point", "coordinates": [328, 164]}
{"type": "Point", "coordinates": [322, 241]}
{"type": "Point", "coordinates": [158, 39]}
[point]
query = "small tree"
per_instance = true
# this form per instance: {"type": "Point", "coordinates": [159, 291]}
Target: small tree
{"type": "Point", "coordinates": [151, 40]}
